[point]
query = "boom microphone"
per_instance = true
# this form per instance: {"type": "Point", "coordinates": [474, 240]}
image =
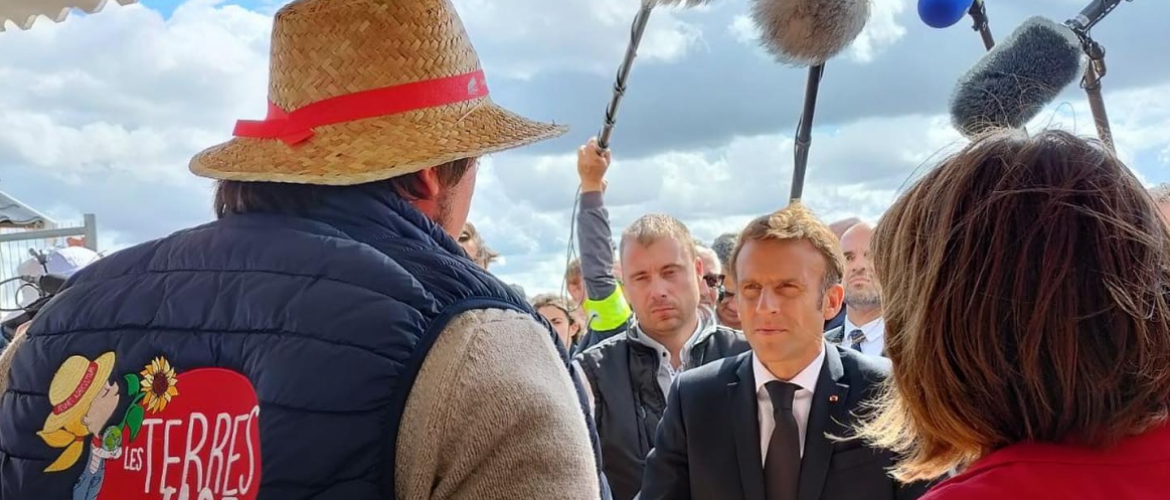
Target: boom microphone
{"type": "Point", "coordinates": [808, 32]}
{"type": "Point", "coordinates": [623, 75]}
{"type": "Point", "coordinates": [1013, 82]}
{"type": "Point", "coordinates": [943, 13]}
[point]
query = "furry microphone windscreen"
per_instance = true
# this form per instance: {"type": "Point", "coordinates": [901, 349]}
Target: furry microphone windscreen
{"type": "Point", "coordinates": [1013, 82]}
{"type": "Point", "coordinates": [809, 32]}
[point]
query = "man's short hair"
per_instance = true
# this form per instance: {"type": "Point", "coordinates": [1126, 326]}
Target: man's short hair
{"type": "Point", "coordinates": [843, 225]}
{"type": "Point", "coordinates": [702, 251]}
{"type": "Point", "coordinates": [651, 228]}
{"type": "Point", "coordinates": [240, 197]}
{"type": "Point", "coordinates": [795, 223]}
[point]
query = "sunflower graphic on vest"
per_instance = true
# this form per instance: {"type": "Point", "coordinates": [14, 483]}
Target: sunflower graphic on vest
{"type": "Point", "coordinates": [84, 400]}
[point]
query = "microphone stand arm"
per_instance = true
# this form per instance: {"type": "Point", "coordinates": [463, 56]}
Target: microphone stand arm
{"type": "Point", "coordinates": [623, 75]}
{"type": "Point", "coordinates": [1081, 25]}
{"type": "Point", "coordinates": [804, 130]}
{"type": "Point", "coordinates": [1091, 15]}
{"type": "Point", "coordinates": [978, 13]}
{"type": "Point", "coordinates": [1091, 82]}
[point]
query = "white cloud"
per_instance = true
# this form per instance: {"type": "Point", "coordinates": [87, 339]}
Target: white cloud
{"type": "Point", "coordinates": [1139, 119]}
{"type": "Point", "coordinates": [854, 170]}
{"type": "Point", "coordinates": [101, 114]}
{"type": "Point", "coordinates": [745, 30]}
{"type": "Point", "coordinates": [882, 31]}
{"type": "Point", "coordinates": [524, 38]}
{"type": "Point", "coordinates": [82, 99]}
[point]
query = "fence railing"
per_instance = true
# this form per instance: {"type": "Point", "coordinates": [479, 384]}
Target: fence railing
{"type": "Point", "coordinates": [15, 246]}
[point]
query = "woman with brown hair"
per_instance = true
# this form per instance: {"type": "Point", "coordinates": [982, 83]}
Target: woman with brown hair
{"type": "Point", "coordinates": [1026, 284]}
{"type": "Point", "coordinates": [556, 310]}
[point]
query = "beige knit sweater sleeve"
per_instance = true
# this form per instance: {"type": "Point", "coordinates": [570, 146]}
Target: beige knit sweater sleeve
{"type": "Point", "coordinates": [493, 415]}
{"type": "Point", "coordinates": [8, 354]}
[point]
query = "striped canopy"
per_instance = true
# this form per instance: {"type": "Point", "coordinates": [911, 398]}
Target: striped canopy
{"type": "Point", "coordinates": [25, 12]}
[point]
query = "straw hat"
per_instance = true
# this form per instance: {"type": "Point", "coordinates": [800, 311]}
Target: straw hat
{"type": "Point", "coordinates": [366, 90]}
{"type": "Point", "coordinates": [75, 385]}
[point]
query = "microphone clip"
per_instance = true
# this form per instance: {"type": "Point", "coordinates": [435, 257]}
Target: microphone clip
{"type": "Point", "coordinates": [978, 13]}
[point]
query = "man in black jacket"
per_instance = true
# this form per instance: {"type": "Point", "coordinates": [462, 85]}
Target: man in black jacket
{"type": "Point", "coordinates": [758, 426]}
{"type": "Point", "coordinates": [629, 375]}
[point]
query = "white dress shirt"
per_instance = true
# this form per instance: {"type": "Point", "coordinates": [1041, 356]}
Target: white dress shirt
{"type": "Point", "coordinates": [801, 403]}
{"type": "Point", "coordinates": [875, 336]}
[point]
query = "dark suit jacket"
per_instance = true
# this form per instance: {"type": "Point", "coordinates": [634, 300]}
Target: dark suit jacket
{"type": "Point", "coordinates": [708, 444]}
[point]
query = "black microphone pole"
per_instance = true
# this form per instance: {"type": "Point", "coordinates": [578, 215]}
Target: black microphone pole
{"type": "Point", "coordinates": [978, 13]}
{"type": "Point", "coordinates": [804, 130]}
{"type": "Point", "coordinates": [623, 75]}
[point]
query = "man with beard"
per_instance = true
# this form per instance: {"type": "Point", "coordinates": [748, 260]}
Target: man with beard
{"type": "Point", "coordinates": [628, 376]}
{"type": "Point", "coordinates": [864, 329]}
{"type": "Point", "coordinates": [838, 228]}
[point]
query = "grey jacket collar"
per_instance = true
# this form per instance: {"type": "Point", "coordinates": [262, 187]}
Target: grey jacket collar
{"type": "Point", "coordinates": [707, 327]}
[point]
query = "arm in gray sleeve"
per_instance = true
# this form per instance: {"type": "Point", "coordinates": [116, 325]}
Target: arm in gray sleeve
{"type": "Point", "coordinates": [594, 239]}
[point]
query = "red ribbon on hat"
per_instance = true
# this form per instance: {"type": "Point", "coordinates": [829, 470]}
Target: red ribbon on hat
{"type": "Point", "coordinates": [297, 126]}
{"type": "Point", "coordinates": [83, 385]}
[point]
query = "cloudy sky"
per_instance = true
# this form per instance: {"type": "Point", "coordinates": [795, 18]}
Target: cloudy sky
{"type": "Point", "coordinates": [100, 114]}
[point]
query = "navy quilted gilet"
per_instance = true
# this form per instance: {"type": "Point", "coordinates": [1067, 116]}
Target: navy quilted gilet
{"type": "Point", "coordinates": [259, 356]}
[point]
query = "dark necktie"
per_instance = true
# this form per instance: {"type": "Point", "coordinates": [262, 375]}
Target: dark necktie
{"type": "Point", "coordinates": [782, 465]}
{"type": "Point", "coordinates": [856, 338]}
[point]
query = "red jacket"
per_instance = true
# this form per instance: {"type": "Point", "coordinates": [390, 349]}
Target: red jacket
{"type": "Point", "coordinates": [1138, 468]}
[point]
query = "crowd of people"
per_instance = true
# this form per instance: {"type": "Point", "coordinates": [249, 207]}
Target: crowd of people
{"type": "Point", "coordinates": [1002, 331]}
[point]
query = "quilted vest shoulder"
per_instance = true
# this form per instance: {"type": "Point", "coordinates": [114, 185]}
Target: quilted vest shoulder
{"type": "Point", "coordinates": [317, 324]}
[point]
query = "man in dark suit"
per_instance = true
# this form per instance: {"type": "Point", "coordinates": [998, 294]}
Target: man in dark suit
{"type": "Point", "coordinates": [758, 426]}
{"type": "Point", "coordinates": [839, 228]}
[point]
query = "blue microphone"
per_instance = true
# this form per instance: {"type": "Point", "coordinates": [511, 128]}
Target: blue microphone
{"type": "Point", "coordinates": [943, 13]}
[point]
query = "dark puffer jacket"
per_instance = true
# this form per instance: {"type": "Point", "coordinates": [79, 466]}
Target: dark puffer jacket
{"type": "Point", "coordinates": [326, 317]}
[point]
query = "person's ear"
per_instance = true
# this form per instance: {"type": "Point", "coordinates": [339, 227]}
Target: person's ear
{"type": "Point", "coordinates": [834, 300]}
{"type": "Point", "coordinates": [699, 271]}
{"type": "Point", "coordinates": [429, 184]}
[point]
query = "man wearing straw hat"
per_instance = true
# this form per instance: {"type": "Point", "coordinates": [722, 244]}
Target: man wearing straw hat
{"type": "Point", "coordinates": [382, 362]}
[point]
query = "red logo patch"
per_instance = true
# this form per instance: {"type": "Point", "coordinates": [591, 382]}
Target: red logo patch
{"type": "Point", "coordinates": [201, 445]}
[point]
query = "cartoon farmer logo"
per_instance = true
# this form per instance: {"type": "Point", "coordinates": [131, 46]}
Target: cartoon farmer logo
{"type": "Point", "coordinates": [84, 400]}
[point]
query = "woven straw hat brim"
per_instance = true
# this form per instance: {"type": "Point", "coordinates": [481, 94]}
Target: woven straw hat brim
{"type": "Point", "coordinates": [105, 366]}
{"type": "Point", "coordinates": [377, 148]}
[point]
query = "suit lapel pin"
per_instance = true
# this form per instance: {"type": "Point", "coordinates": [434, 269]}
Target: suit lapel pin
{"type": "Point", "coordinates": [833, 398]}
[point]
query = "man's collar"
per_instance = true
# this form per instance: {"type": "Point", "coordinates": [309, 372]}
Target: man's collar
{"type": "Point", "coordinates": [370, 213]}
{"type": "Point", "coordinates": [873, 330]}
{"type": "Point", "coordinates": [806, 379]}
